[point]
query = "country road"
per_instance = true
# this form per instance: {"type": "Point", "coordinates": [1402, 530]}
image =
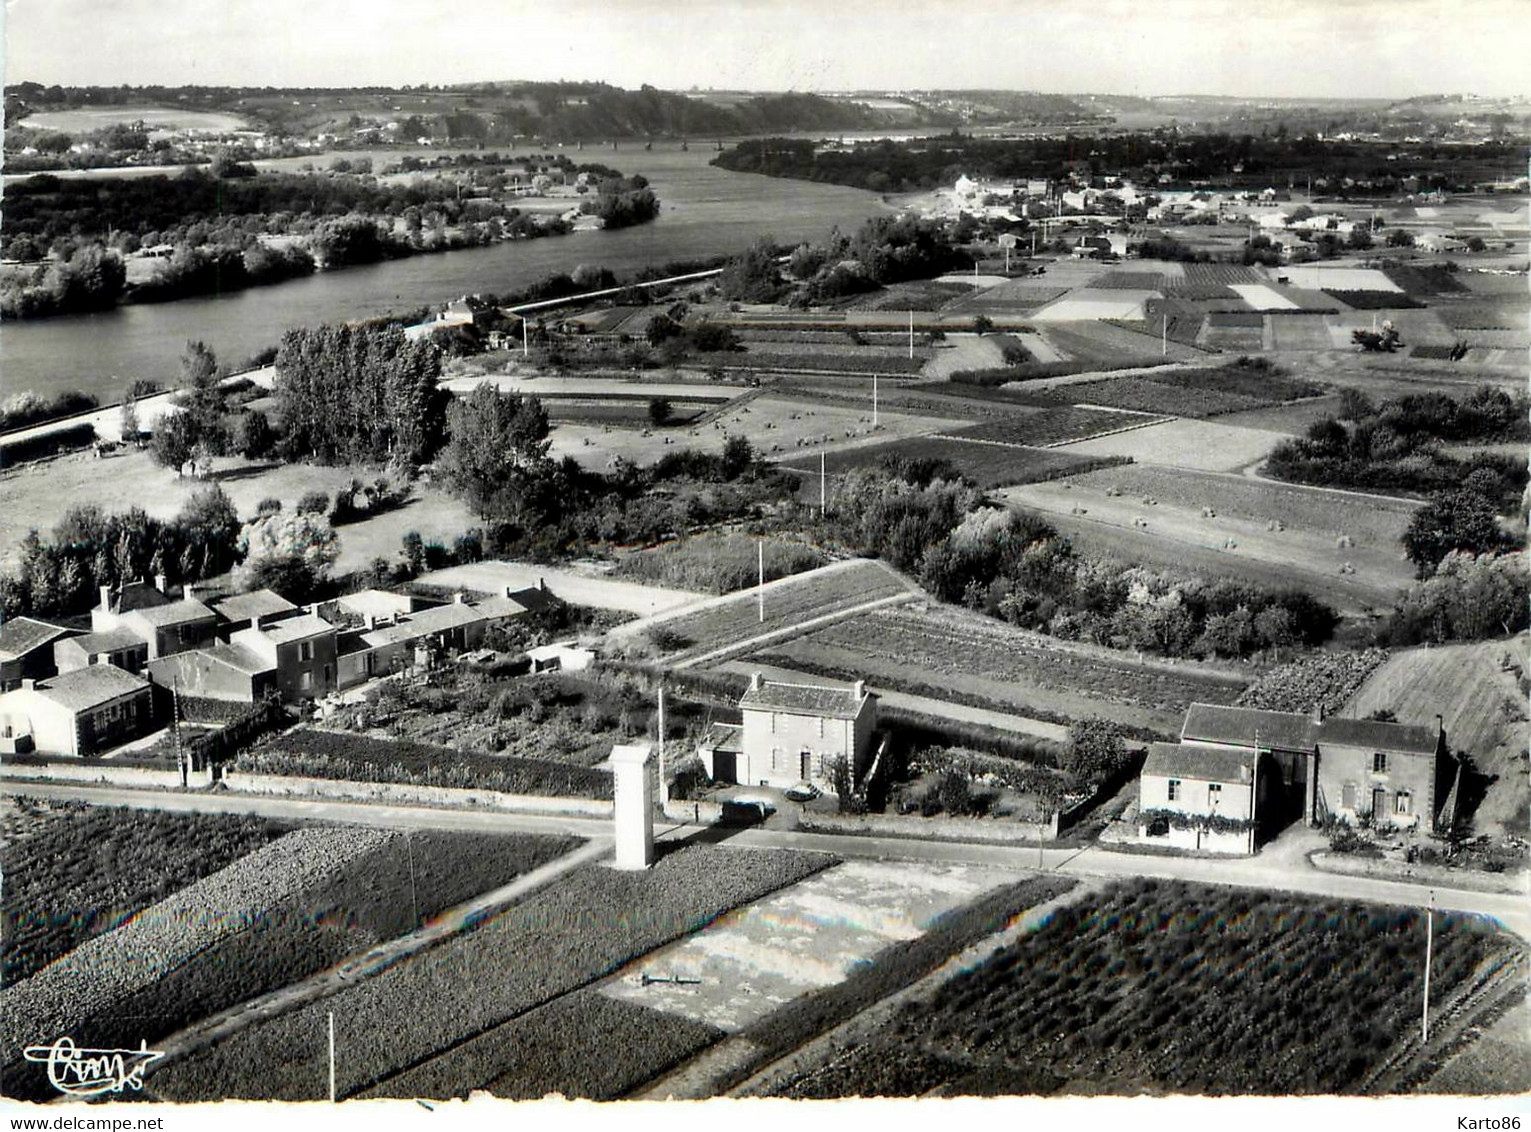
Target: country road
{"type": "Point", "coordinates": [1280, 867]}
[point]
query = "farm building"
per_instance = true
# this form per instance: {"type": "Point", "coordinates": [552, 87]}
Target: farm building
{"type": "Point", "coordinates": [300, 650]}
{"type": "Point", "coordinates": [26, 650]}
{"type": "Point", "coordinates": [1302, 767]}
{"type": "Point", "coordinates": [794, 733]}
{"type": "Point", "coordinates": [219, 672]}
{"type": "Point", "coordinates": [164, 623]}
{"type": "Point", "coordinates": [78, 713]}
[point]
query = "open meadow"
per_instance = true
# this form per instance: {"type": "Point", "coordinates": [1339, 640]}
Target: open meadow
{"type": "Point", "coordinates": [1201, 445]}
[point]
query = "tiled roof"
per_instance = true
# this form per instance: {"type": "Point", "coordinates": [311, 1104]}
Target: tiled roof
{"type": "Point", "coordinates": [21, 635]}
{"type": "Point", "coordinates": [1376, 734]}
{"type": "Point", "coordinates": [724, 737]}
{"type": "Point", "coordinates": [802, 699]}
{"type": "Point", "coordinates": [379, 603]}
{"type": "Point", "coordinates": [176, 613]}
{"type": "Point", "coordinates": [236, 657]}
{"type": "Point", "coordinates": [256, 603]}
{"type": "Point", "coordinates": [294, 629]}
{"type": "Point", "coordinates": [1243, 727]}
{"type": "Point", "coordinates": [109, 640]}
{"type": "Point", "coordinates": [1290, 731]}
{"type": "Point", "coordinates": [1205, 764]}
{"type": "Point", "coordinates": [136, 596]}
{"type": "Point", "coordinates": [90, 687]}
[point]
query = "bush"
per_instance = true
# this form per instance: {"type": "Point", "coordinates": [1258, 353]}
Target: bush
{"type": "Point", "coordinates": [313, 503]}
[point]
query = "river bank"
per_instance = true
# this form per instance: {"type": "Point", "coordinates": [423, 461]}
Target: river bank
{"type": "Point", "coordinates": [707, 211]}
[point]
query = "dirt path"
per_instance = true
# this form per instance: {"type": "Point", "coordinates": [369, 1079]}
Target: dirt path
{"type": "Point", "coordinates": [452, 922]}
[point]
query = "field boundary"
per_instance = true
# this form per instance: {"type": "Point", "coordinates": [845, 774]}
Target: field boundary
{"type": "Point", "coordinates": [774, 635]}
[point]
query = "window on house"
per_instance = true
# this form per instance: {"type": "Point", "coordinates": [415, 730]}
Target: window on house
{"type": "Point", "coordinates": [1214, 793]}
{"type": "Point", "coordinates": [305, 650]}
{"type": "Point", "coordinates": [1402, 804]}
{"type": "Point", "coordinates": [1174, 790]}
{"type": "Point", "coordinates": [1379, 762]}
{"type": "Point", "coordinates": [306, 682]}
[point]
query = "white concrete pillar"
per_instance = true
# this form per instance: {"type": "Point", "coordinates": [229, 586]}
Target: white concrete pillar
{"type": "Point", "coordinates": [634, 808]}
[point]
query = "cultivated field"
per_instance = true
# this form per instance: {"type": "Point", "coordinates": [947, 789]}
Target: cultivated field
{"type": "Point", "coordinates": [55, 898]}
{"type": "Point", "coordinates": [986, 464]}
{"type": "Point", "coordinates": [1052, 427]}
{"type": "Point", "coordinates": [296, 906]}
{"type": "Point", "coordinates": [773, 425]}
{"type": "Point", "coordinates": [789, 602]}
{"type": "Point", "coordinates": [551, 944]}
{"type": "Point", "coordinates": [720, 562]}
{"type": "Point", "coordinates": [1202, 445]}
{"type": "Point", "coordinates": [86, 119]}
{"type": "Point", "coordinates": [1173, 988]}
{"type": "Point", "coordinates": [976, 659]}
{"type": "Point", "coordinates": [1483, 705]}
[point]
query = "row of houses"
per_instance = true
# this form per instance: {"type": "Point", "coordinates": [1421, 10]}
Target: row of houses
{"type": "Point", "coordinates": [72, 692]}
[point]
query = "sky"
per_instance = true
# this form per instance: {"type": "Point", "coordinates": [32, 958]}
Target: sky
{"type": "Point", "coordinates": [1250, 48]}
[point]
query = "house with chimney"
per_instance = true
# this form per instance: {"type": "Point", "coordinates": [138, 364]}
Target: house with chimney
{"type": "Point", "coordinates": [165, 621]}
{"type": "Point", "coordinates": [120, 648]}
{"type": "Point", "coordinates": [1240, 771]}
{"type": "Point", "coordinates": [793, 733]}
{"type": "Point", "coordinates": [26, 650]}
{"type": "Point", "coordinates": [76, 713]}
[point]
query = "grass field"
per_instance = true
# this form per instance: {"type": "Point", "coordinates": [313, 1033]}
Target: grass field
{"type": "Point", "coordinates": [719, 562]}
{"type": "Point", "coordinates": [1008, 669]}
{"type": "Point", "coordinates": [1377, 522]}
{"type": "Point", "coordinates": [1201, 445]}
{"type": "Point", "coordinates": [1166, 987]}
{"type": "Point", "coordinates": [1147, 396]}
{"type": "Point", "coordinates": [789, 602]}
{"type": "Point", "coordinates": [552, 943]}
{"type": "Point", "coordinates": [86, 119]}
{"type": "Point", "coordinates": [987, 465]}
{"type": "Point", "coordinates": [1063, 425]}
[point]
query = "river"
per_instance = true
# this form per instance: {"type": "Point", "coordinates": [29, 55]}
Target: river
{"type": "Point", "coordinates": [704, 211]}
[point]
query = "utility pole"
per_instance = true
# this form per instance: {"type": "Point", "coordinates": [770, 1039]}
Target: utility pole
{"type": "Point", "coordinates": [760, 588]}
{"type": "Point", "coordinates": [1424, 1015]}
{"type": "Point", "coordinates": [874, 400]}
{"type": "Point", "coordinates": [664, 787]}
{"type": "Point", "coordinates": [911, 335]}
{"type": "Point", "coordinates": [1164, 336]}
{"type": "Point", "coordinates": [175, 728]}
{"type": "Point", "coordinates": [823, 486]}
{"type": "Point", "coordinates": [526, 345]}
{"type": "Point", "coordinates": [332, 1057]}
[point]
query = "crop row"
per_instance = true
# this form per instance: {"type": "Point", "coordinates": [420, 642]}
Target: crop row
{"type": "Point", "coordinates": [791, 603]}
{"type": "Point", "coordinates": [1061, 425]}
{"type": "Point", "coordinates": [553, 942]}
{"type": "Point", "coordinates": [1329, 679]}
{"type": "Point", "coordinates": [987, 465]}
{"type": "Point", "coordinates": [82, 994]}
{"type": "Point", "coordinates": [58, 895]}
{"type": "Point", "coordinates": [553, 1049]}
{"type": "Point", "coordinates": [1374, 300]}
{"type": "Point", "coordinates": [342, 755]}
{"type": "Point", "coordinates": [815, 361]}
{"type": "Point", "coordinates": [1146, 396]}
{"type": "Point", "coordinates": [1171, 986]}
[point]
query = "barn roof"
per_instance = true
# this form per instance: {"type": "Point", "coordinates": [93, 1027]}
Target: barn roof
{"type": "Point", "coordinates": [1205, 764]}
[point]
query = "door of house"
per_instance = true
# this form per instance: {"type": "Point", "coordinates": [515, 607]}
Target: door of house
{"type": "Point", "coordinates": [1348, 797]}
{"type": "Point", "coordinates": [725, 767]}
{"type": "Point", "coordinates": [805, 759]}
{"type": "Point", "coordinates": [1379, 803]}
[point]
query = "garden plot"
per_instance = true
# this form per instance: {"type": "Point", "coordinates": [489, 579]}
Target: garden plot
{"type": "Point", "coordinates": [963, 352]}
{"type": "Point", "coordinates": [986, 464]}
{"type": "Point", "coordinates": [1415, 327]}
{"type": "Point", "coordinates": [1339, 279]}
{"type": "Point", "coordinates": [1262, 297]}
{"type": "Point", "coordinates": [811, 935]}
{"type": "Point", "coordinates": [1301, 332]}
{"type": "Point", "coordinates": [1088, 304]}
{"type": "Point", "coordinates": [1194, 444]}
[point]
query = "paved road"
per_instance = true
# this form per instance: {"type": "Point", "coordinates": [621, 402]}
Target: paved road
{"type": "Point", "coordinates": [570, 585]}
{"type": "Point", "coordinates": [1283, 869]}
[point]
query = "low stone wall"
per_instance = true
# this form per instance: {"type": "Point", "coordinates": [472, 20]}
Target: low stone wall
{"type": "Point", "coordinates": [139, 776]}
{"type": "Point", "coordinates": [409, 795]}
{"type": "Point", "coordinates": [1381, 868]}
{"type": "Point", "coordinates": [945, 828]}
{"type": "Point", "coordinates": [697, 813]}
